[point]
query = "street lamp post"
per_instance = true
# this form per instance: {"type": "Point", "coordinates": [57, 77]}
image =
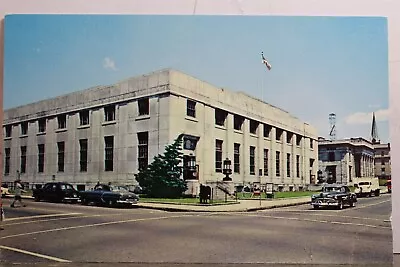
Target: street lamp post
{"type": "Point", "coordinates": [227, 170]}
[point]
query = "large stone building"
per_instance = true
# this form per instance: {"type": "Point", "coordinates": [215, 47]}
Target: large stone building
{"type": "Point", "coordinates": [105, 133]}
{"type": "Point", "coordinates": [341, 161]}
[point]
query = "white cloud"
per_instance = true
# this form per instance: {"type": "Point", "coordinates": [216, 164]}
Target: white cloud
{"type": "Point", "coordinates": [366, 117]}
{"type": "Point", "coordinates": [108, 63]}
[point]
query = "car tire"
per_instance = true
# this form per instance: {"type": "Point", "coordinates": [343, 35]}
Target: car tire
{"type": "Point", "coordinates": [111, 203]}
{"type": "Point", "coordinates": [352, 204]}
{"type": "Point", "coordinates": [37, 199]}
{"type": "Point", "coordinates": [316, 207]}
{"type": "Point", "coordinates": [340, 206]}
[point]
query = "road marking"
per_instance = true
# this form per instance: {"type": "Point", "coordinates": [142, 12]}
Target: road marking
{"type": "Point", "coordinates": [41, 216]}
{"type": "Point", "coordinates": [337, 216]}
{"type": "Point", "coordinates": [93, 225]}
{"type": "Point", "coordinates": [369, 205]}
{"type": "Point", "coordinates": [317, 221]}
{"type": "Point", "coordinates": [34, 254]}
{"type": "Point", "coordinates": [67, 218]}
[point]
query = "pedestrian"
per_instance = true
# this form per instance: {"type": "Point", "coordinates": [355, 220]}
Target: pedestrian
{"type": "Point", "coordinates": [17, 194]}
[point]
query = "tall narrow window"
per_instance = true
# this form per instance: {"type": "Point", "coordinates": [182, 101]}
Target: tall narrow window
{"type": "Point", "coordinates": [289, 137]}
{"type": "Point", "coordinates": [252, 160]}
{"type": "Point", "coordinates": [238, 122]}
{"type": "Point", "coordinates": [143, 147]}
{"type": "Point", "coordinates": [144, 107]}
{"type": "Point", "coordinates": [7, 161]}
{"type": "Point", "coordinates": [298, 140]}
{"type": "Point", "coordinates": [24, 128]}
{"type": "Point", "coordinates": [278, 134]}
{"type": "Point", "coordinates": [8, 130]}
{"type": "Point", "coordinates": [62, 121]}
{"type": "Point", "coordinates": [61, 156]}
{"type": "Point", "coordinates": [236, 158]}
{"type": "Point", "coordinates": [42, 125]}
{"type": "Point", "coordinates": [253, 127]}
{"type": "Point", "coordinates": [41, 158]}
{"type": "Point", "coordinates": [109, 153]}
{"type": "Point", "coordinates": [278, 165]}
{"type": "Point", "coordinates": [83, 155]}
{"type": "Point", "coordinates": [218, 155]}
{"type": "Point", "coordinates": [265, 162]}
{"type": "Point", "coordinates": [84, 117]}
{"type": "Point", "coordinates": [311, 143]}
{"type": "Point", "coordinates": [297, 165]}
{"type": "Point", "coordinates": [220, 117]}
{"type": "Point", "coordinates": [109, 113]}
{"type": "Point", "coordinates": [191, 108]}
{"type": "Point", "coordinates": [23, 159]}
{"type": "Point", "coordinates": [267, 130]}
{"type": "Point", "coordinates": [288, 164]}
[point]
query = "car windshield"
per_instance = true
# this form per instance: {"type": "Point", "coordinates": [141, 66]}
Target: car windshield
{"type": "Point", "coordinates": [364, 183]}
{"type": "Point", "coordinates": [332, 189]}
{"type": "Point", "coordinates": [119, 188]}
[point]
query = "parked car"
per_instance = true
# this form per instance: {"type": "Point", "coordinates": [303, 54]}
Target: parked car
{"type": "Point", "coordinates": [4, 190]}
{"type": "Point", "coordinates": [367, 186]}
{"type": "Point", "coordinates": [56, 192]}
{"type": "Point", "coordinates": [109, 195]}
{"type": "Point", "coordinates": [334, 195]}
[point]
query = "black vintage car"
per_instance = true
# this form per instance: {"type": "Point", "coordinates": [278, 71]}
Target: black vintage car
{"type": "Point", "coordinates": [109, 195]}
{"type": "Point", "coordinates": [56, 192]}
{"type": "Point", "coordinates": [334, 195]}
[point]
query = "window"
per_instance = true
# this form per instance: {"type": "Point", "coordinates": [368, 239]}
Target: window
{"type": "Point", "coordinates": [267, 130]}
{"type": "Point", "coordinates": [311, 143]}
{"type": "Point", "coordinates": [236, 158]}
{"type": "Point", "coordinates": [218, 155]}
{"type": "Point", "coordinates": [7, 161]}
{"type": "Point", "coordinates": [298, 140]}
{"type": "Point", "coordinates": [383, 162]}
{"type": "Point", "coordinates": [289, 137]}
{"type": "Point", "coordinates": [84, 117]}
{"type": "Point", "coordinates": [42, 125]}
{"type": "Point", "coordinates": [265, 162]}
{"type": "Point", "coordinates": [191, 108]}
{"type": "Point", "coordinates": [252, 160]}
{"type": "Point", "coordinates": [61, 151]}
{"type": "Point", "coordinates": [288, 164]}
{"type": "Point", "coordinates": [24, 128]}
{"type": "Point", "coordinates": [278, 165]}
{"type": "Point", "coordinates": [253, 127]}
{"type": "Point", "coordinates": [238, 122]}
{"type": "Point", "coordinates": [83, 154]}
{"type": "Point", "coordinates": [331, 156]}
{"type": "Point", "coordinates": [109, 153]}
{"type": "Point", "coordinates": [143, 141]}
{"type": "Point", "coordinates": [144, 107]}
{"type": "Point", "coordinates": [383, 153]}
{"type": "Point", "coordinates": [297, 166]}
{"type": "Point", "coordinates": [62, 121]}
{"type": "Point", "coordinates": [383, 170]}
{"type": "Point", "coordinates": [8, 130]}
{"type": "Point", "coordinates": [220, 117]}
{"type": "Point", "coordinates": [278, 134]}
{"type": "Point", "coordinates": [109, 113]}
{"type": "Point", "coordinates": [23, 159]}
{"type": "Point", "coordinates": [41, 158]}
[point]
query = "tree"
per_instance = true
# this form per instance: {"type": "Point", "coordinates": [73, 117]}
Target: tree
{"type": "Point", "coordinates": [162, 178]}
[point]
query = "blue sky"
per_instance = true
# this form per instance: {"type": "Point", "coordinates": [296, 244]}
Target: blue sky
{"type": "Point", "coordinates": [320, 65]}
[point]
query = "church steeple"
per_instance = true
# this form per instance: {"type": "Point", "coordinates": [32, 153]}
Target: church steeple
{"type": "Point", "coordinates": [374, 131]}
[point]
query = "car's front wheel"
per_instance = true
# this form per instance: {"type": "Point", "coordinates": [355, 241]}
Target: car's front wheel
{"type": "Point", "coordinates": [340, 206]}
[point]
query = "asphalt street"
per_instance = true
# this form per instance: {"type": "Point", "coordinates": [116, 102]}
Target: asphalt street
{"type": "Point", "coordinates": [57, 233]}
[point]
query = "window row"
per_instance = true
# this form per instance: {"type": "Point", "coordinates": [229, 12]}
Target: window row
{"type": "Point", "coordinates": [238, 121]}
{"type": "Point", "coordinates": [109, 115]}
{"type": "Point", "coordinates": [83, 155]}
{"type": "Point", "coordinates": [252, 160]}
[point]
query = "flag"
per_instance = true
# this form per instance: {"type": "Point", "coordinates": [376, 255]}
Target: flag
{"type": "Point", "coordinates": [265, 62]}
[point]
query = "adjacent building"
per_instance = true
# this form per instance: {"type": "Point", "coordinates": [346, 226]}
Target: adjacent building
{"type": "Point", "coordinates": [382, 153]}
{"type": "Point", "coordinates": [106, 133]}
{"type": "Point", "coordinates": [343, 161]}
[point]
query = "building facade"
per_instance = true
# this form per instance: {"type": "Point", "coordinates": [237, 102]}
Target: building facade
{"type": "Point", "coordinates": [382, 161]}
{"type": "Point", "coordinates": [106, 133]}
{"type": "Point", "coordinates": [343, 161]}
